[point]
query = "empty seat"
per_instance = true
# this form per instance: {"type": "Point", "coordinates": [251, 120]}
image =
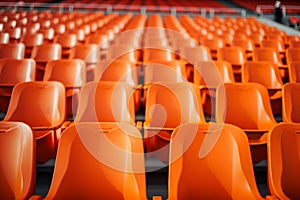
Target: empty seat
{"type": "Point", "coordinates": [44, 53]}
{"type": "Point", "coordinates": [12, 50]}
{"type": "Point", "coordinates": [294, 72]}
{"type": "Point", "coordinates": [283, 161]}
{"type": "Point", "coordinates": [169, 105]}
{"type": "Point", "coordinates": [247, 106]}
{"type": "Point", "coordinates": [17, 154]}
{"type": "Point", "coordinates": [67, 42]}
{"type": "Point", "coordinates": [12, 72]}
{"type": "Point", "coordinates": [267, 74]}
{"type": "Point", "coordinates": [236, 56]}
{"type": "Point", "coordinates": [90, 54]}
{"type": "Point", "coordinates": [31, 40]}
{"type": "Point", "coordinates": [107, 102]}
{"type": "Point", "coordinates": [208, 75]}
{"type": "Point", "coordinates": [271, 55]}
{"type": "Point", "coordinates": [206, 156]}
{"type": "Point", "coordinates": [291, 103]}
{"type": "Point", "coordinates": [41, 105]}
{"type": "Point", "coordinates": [92, 163]}
{"type": "Point", "coordinates": [72, 73]}
{"type": "Point", "coordinates": [292, 55]}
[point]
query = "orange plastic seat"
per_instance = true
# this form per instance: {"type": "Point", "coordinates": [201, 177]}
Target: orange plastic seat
{"type": "Point", "coordinates": [292, 55]}
{"type": "Point", "coordinates": [217, 156]}
{"type": "Point", "coordinates": [41, 105]}
{"type": "Point", "coordinates": [271, 55]}
{"type": "Point", "coordinates": [291, 103]}
{"type": "Point", "coordinates": [154, 54]}
{"type": "Point", "coordinates": [90, 54]}
{"type": "Point", "coordinates": [208, 75]}
{"type": "Point", "coordinates": [17, 153]}
{"type": "Point", "coordinates": [236, 56]}
{"type": "Point", "coordinates": [67, 42]}
{"type": "Point", "coordinates": [294, 72]}
{"type": "Point", "coordinates": [44, 53]}
{"type": "Point", "coordinates": [247, 106]}
{"type": "Point", "coordinates": [214, 44]}
{"type": "Point", "coordinates": [12, 50]}
{"type": "Point", "coordinates": [105, 165]}
{"type": "Point", "coordinates": [169, 105]}
{"type": "Point", "coordinates": [283, 161]}
{"type": "Point", "coordinates": [190, 56]}
{"type": "Point", "coordinates": [107, 102]}
{"type": "Point", "coordinates": [267, 74]}
{"type": "Point", "coordinates": [120, 70]}
{"type": "Point", "coordinates": [247, 44]}
{"type": "Point", "coordinates": [4, 38]}
{"type": "Point", "coordinates": [72, 74]}
{"type": "Point", "coordinates": [31, 40]}
{"type": "Point", "coordinates": [12, 72]}
{"type": "Point", "coordinates": [161, 70]}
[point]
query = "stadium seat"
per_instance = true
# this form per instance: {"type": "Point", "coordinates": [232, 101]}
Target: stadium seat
{"type": "Point", "coordinates": [4, 38]}
{"type": "Point", "coordinates": [67, 42]}
{"type": "Point", "coordinates": [12, 50]}
{"type": "Point", "coordinates": [17, 153]}
{"type": "Point", "coordinates": [90, 54]}
{"type": "Point", "coordinates": [247, 44]}
{"type": "Point", "coordinates": [12, 72]}
{"type": "Point", "coordinates": [236, 56]}
{"type": "Point", "coordinates": [290, 103]}
{"type": "Point", "coordinates": [217, 156]}
{"type": "Point", "coordinates": [247, 106]}
{"type": "Point", "coordinates": [168, 105]}
{"type": "Point", "coordinates": [92, 163]}
{"type": "Point", "coordinates": [267, 74]}
{"type": "Point", "coordinates": [271, 55]}
{"type": "Point", "coordinates": [47, 101]}
{"type": "Point", "coordinates": [44, 53]}
{"type": "Point", "coordinates": [292, 55]}
{"type": "Point", "coordinates": [106, 102]}
{"type": "Point", "coordinates": [209, 75]}
{"type": "Point", "coordinates": [294, 72]}
{"type": "Point", "coordinates": [31, 40]}
{"type": "Point", "coordinates": [283, 161]}
{"type": "Point", "coordinates": [72, 74]}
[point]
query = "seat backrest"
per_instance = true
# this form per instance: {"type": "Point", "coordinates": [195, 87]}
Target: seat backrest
{"type": "Point", "coordinates": [245, 105]}
{"type": "Point", "coordinates": [171, 104]}
{"type": "Point", "coordinates": [45, 99]}
{"type": "Point", "coordinates": [283, 161]}
{"type": "Point", "coordinates": [292, 55]}
{"type": "Point", "coordinates": [13, 71]}
{"type": "Point", "coordinates": [266, 54]}
{"type": "Point", "coordinates": [91, 163]}
{"type": "Point", "coordinates": [12, 50]}
{"type": "Point", "coordinates": [161, 70]}
{"type": "Point", "coordinates": [31, 40]}
{"type": "Point", "coordinates": [199, 162]}
{"type": "Point", "coordinates": [263, 72]}
{"type": "Point", "coordinates": [70, 72]}
{"type": "Point", "coordinates": [17, 154]}
{"type": "Point", "coordinates": [66, 40]}
{"type": "Point", "coordinates": [294, 72]}
{"type": "Point", "coordinates": [273, 43]}
{"type": "Point", "coordinates": [213, 73]}
{"type": "Point", "coordinates": [233, 55]}
{"type": "Point", "coordinates": [195, 54]}
{"type": "Point", "coordinates": [291, 103]}
{"type": "Point", "coordinates": [89, 53]}
{"type": "Point", "coordinates": [159, 53]}
{"type": "Point", "coordinates": [46, 52]}
{"type": "Point", "coordinates": [117, 70]}
{"type": "Point", "coordinates": [106, 101]}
